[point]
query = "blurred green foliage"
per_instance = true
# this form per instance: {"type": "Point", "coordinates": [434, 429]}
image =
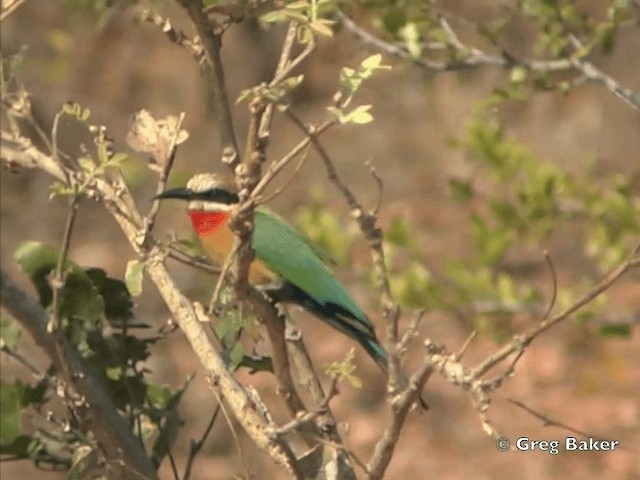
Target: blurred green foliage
{"type": "Point", "coordinates": [98, 320]}
{"type": "Point", "coordinates": [332, 238]}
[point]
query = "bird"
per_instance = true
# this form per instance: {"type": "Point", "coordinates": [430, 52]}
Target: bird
{"type": "Point", "coordinates": [286, 266]}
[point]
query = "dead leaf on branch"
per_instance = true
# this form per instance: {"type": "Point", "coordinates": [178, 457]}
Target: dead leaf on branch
{"type": "Point", "coordinates": [157, 137]}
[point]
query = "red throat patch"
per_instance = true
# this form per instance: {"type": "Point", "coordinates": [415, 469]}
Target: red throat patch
{"type": "Point", "coordinates": [205, 222]}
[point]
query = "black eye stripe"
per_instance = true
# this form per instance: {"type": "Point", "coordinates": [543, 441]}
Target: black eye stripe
{"type": "Point", "coordinates": [219, 195]}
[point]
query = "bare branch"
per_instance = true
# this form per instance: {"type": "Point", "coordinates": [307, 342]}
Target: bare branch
{"type": "Point", "coordinates": [165, 164]}
{"type": "Point", "coordinates": [8, 7]}
{"type": "Point", "coordinates": [277, 166]}
{"type": "Point", "coordinates": [309, 416]}
{"type": "Point", "coordinates": [472, 57]}
{"type": "Point", "coordinates": [211, 39]}
{"type": "Point", "coordinates": [595, 75]}
{"type": "Point", "coordinates": [191, 45]}
{"type": "Point", "coordinates": [400, 405]}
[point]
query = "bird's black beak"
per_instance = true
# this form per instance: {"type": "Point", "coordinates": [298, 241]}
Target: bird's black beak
{"type": "Point", "coordinates": [178, 193]}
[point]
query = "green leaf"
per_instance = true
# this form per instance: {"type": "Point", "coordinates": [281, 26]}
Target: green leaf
{"type": "Point", "coordinates": [133, 277]}
{"type": "Point", "coordinates": [20, 447]}
{"type": "Point", "coordinates": [168, 435]}
{"type": "Point", "coordinates": [518, 74]}
{"type": "Point", "coordinates": [9, 330]}
{"type": "Point", "coordinates": [462, 189]}
{"type": "Point", "coordinates": [159, 396]}
{"type": "Point", "coordinates": [373, 62]}
{"type": "Point", "coordinates": [322, 27]}
{"type": "Point", "coordinates": [412, 41]}
{"type": "Point", "coordinates": [236, 355]}
{"type": "Point", "coordinates": [345, 370]}
{"type": "Point", "coordinates": [616, 330]}
{"type": "Point", "coordinates": [116, 296]}
{"type": "Point", "coordinates": [78, 299]}
{"type": "Point", "coordinates": [10, 413]}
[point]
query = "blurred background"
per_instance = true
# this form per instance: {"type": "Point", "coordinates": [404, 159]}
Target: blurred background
{"type": "Point", "coordinates": [115, 65]}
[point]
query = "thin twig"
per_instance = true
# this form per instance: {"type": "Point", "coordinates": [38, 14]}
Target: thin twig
{"type": "Point", "coordinates": [465, 345]}
{"type": "Point", "coordinates": [519, 341]}
{"type": "Point", "coordinates": [595, 75]}
{"type": "Point", "coordinates": [548, 422]}
{"type": "Point", "coordinates": [167, 164]}
{"type": "Point", "coordinates": [195, 447]}
{"type": "Point", "coordinates": [212, 42]}
{"type": "Point", "coordinates": [191, 45]}
{"type": "Point", "coordinates": [309, 416]}
{"type": "Point", "coordinates": [554, 290]}
{"type": "Point", "coordinates": [39, 374]}
{"type": "Point", "coordinates": [228, 262]}
{"type": "Point", "coordinates": [58, 278]}
{"type": "Point", "coordinates": [191, 260]}
{"type": "Point", "coordinates": [411, 332]}
{"type": "Point", "coordinates": [279, 190]}
{"type": "Point", "coordinates": [276, 167]}
{"type": "Point", "coordinates": [234, 434]}
{"type": "Point", "coordinates": [174, 466]}
{"type": "Point", "coordinates": [285, 53]}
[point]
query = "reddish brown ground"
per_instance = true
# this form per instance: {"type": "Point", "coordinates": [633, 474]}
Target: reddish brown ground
{"type": "Point", "coordinates": [571, 374]}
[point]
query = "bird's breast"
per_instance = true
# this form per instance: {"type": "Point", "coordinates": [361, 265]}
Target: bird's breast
{"type": "Point", "coordinates": [217, 240]}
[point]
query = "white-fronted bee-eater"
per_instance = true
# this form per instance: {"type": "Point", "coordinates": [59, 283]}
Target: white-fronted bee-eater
{"type": "Point", "coordinates": [286, 267]}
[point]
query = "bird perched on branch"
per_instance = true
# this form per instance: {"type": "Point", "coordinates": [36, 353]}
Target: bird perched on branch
{"type": "Point", "coordinates": [286, 267]}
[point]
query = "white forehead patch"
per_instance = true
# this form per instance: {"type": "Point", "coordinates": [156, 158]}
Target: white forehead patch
{"type": "Point", "coordinates": [205, 181]}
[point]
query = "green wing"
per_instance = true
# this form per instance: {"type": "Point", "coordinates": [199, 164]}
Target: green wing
{"type": "Point", "coordinates": [287, 253]}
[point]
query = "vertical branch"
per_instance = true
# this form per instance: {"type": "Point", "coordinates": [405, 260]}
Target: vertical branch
{"type": "Point", "coordinates": [383, 452]}
{"type": "Point", "coordinates": [58, 278]}
{"type": "Point", "coordinates": [211, 38]}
